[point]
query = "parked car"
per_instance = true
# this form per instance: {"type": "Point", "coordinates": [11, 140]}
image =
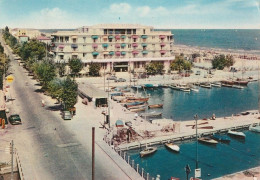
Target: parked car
{"type": "Point", "coordinates": [112, 78]}
{"type": "Point", "coordinates": [15, 119]}
{"type": "Point", "coordinates": [120, 80]}
{"type": "Point", "coordinates": [66, 115]}
{"type": "Point", "coordinates": [197, 73]}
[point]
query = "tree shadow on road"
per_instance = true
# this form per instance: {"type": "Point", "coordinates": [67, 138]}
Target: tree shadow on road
{"type": "Point", "coordinates": [39, 91]}
{"type": "Point", "coordinates": [55, 107]}
{"type": "Point", "coordinates": [37, 84]}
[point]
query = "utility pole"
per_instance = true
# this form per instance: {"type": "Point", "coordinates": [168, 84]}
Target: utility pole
{"type": "Point", "coordinates": [12, 160]}
{"type": "Point", "coordinates": [93, 153]}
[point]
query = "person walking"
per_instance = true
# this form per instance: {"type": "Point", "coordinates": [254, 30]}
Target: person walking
{"type": "Point", "coordinates": [43, 103]}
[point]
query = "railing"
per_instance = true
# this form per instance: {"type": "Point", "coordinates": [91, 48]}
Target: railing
{"type": "Point", "coordinates": [132, 163]}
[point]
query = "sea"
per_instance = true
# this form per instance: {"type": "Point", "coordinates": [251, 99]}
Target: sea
{"type": "Point", "coordinates": [214, 161]}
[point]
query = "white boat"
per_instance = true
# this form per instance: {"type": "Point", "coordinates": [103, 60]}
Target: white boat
{"type": "Point", "coordinates": [236, 133]}
{"type": "Point", "coordinates": [147, 151]}
{"type": "Point", "coordinates": [138, 109]}
{"type": "Point", "coordinates": [216, 84]}
{"type": "Point", "coordinates": [185, 89]}
{"type": "Point", "coordinates": [173, 147]}
{"type": "Point", "coordinates": [238, 86]}
{"type": "Point", "coordinates": [151, 114]}
{"type": "Point", "coordinates": [194, 89]}
{"type": "Point", "coordinates": [207, 140]}
{"type": "Point", "coordinates": [254, 128]}
{"type": "Point", "coordinates": [205, 85]}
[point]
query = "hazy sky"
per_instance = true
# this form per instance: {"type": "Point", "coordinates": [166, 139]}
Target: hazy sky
{"type": "Point", "coordinates": [157, 13]}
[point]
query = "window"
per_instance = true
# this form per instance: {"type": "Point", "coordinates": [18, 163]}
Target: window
{"type": "Point", "coordinates": [134, 40]}
{"type": "Point", "coordinates": [84, 39]}
{"type": "Point", "coordinates": [105, 31]}
{"type": "Point", "coordinates": [84, 54]}
{"type": "Point", "coordinates": [110, 31]}
{"type": "Point", "coordinates": [134, 31]}
{"type": "Point", "coordinates": [74, 40]}
{"type": "Point", "coordinates": [110, 39]}
{"type": "Point", "coordinates": [143, 31]}
{"type": "Point", "coordinates": [129, 31]}
{"type": "Point", "coordinates": [61, 56]}
{"type": "Point", "coordinates": [61, 39]}
{"type": "Point", "coordinates": [66, 39]}
{"type": "Point", "coordinates": [129, 45]}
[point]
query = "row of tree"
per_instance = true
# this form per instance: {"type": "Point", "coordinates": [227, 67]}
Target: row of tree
{"type": "Point", "coordinates": [4, 64]}
{"type": "Point", "coordinates": [222, 61]}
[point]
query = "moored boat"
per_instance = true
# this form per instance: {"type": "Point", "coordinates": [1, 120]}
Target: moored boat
{"type": "Point", "coordinates": [137, 106]}
{"type": "Point", "coordinates": [127, 105]}
{"type": "Point", "coordinates": [155, 106]}
{"type": "Point", "coordinates": [238, 87]}
{"type": "Point", "coordinates": [216, 84]}
{"type": "Point", "coordinates": [236, 133]}
{"type": "Point", "coordinates": [205, 85]}
{"type": "Point", "coordinates": [134, 99]}
{"type": "Point", "coordinates": [151, 114]}
{"type": "Point", "coordinates": [186, 89]}
{"type": "Point", "coordinates": [221, 138]}
{"type": "Point", "coordinates": [147, 151]}
{"type": "Point", "coordinates": [254, 128]}
{"type": "Point", "coordinates": [173, 147]}
{"type": "Point", "coordinates": [207, 140]}
{"type": "Point", "coordinates": [226, 85]}
{"type": "Point", "coordinates": [195, 89]}
{"type": "Point", "coordinates": [137, 109]}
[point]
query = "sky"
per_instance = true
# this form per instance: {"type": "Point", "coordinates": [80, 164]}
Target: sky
{"type": "Point", "coordinates": [173, 14]}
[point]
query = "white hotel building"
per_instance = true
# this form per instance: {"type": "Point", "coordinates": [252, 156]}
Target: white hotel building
{"type": "Point", "coordinates": [118, 47]}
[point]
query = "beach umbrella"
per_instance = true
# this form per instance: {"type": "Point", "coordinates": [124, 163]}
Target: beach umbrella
{"type": "Point", "coordinates": [119, 123]}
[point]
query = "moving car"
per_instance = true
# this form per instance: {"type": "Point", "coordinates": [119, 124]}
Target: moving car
{"type": "Point", "coordinates": [120, 80]}
{"type": "Point", "coordinates": [15, 119]}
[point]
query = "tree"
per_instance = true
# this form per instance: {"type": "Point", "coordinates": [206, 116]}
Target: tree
{"type": "Point", "coordinates": [45, 71]}
{"type": "Point", "coordinates": [94, 69]}
{"type": "Point", "coordinates": [194, 55]}
{"type": "Point", "coordinates": [154, 68]}
{"type": "Point", "coordinates": [6, 29]}
{"type": "Point", "coordinates": [222, 61]}
{"type": "Point", "coordinates": [69, 93]}
{"type": "Point", "coordinates": [180, 64]}
{"type": "Point", "coordinates": [1, 49]}
{"type": "Point", "coordinates": [55, 88]}
{"type": "Point", "coordinates": [32, 49]}
{"type": "Point", "coordinates": [61, 68]}
{"type": "Point", "coordinates": [75, 65]}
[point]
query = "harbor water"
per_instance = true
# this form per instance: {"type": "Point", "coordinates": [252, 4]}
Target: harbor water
{"type": "Point", "coordinates": [181, 106]}
{"type": "Point", "coordinates": [214, 160]}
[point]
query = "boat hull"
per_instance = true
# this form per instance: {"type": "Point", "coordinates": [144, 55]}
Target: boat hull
{"type": "Point", "coordinates": [148, 151]}
{"type": "Point", "coordinates": [207, 140]}
{"type": "Point", "coordinates": [173, 147]}
{"type": "Point", "coordinates": [236, 134]}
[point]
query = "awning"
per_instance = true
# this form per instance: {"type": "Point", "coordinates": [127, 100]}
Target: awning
{"type": "Point", "coordinates": [162, 51]}
{"type": "Point", "coordinates": [123, 36]}
{"type": "Point", "coordinates": [105, 52]}
{"type": "Point", "coordinates": [94, 45]}
{"type": "Point", "coordinates": [117, 37]}
{"type": "Point", "coordinates": [144, 36]}
{"type": "Point", "coordinates": [95, 53]}
{"type": "Point", "coordinates": [61, 46]}
{"type": "Point", "coordinates": [105, 45]}
{"type": "Point", "coordinates": [135, 44]}
{"type": "Point", "coordinates": [74, 36]}
{"type": "Point", "coordinates": [135, 52]}
{"type": "Point", "coordinates": [144, 44]}
{"type": "Point", "coordinates": [134, 36]}
{"type": "Point", "coordinates": [110, 37]}
{"type": "Point", "coordinates": [145, 52]}
{"type": "Point", "coordinates": [105, 37]}
{"type": "Point", "coordinates": [74, 45]}
{"type": "Point", "coordinates": [74, 53]}
{"type": "Point", "coordinates": [118, 53]}
{"type": "Point", "coordinates": [123, 45]}
{"type": "Point", "coordinates": [123, 53]}
{"type": "Point", "coordinates": [162, 36]}
{"type": "Point", "coordinates": [163, 44]}
{"type": "Point", "coordinates": [94, 37]}
{"type": "Point", "coordinates": [117, 45]}
{"type": "Point", "coordinates": [111, 53]}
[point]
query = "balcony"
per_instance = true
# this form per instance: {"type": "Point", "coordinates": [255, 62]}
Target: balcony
{"type": "Point", "coordinates": [117, 37]}
{"type": "Point", "coordinates": [123, 45]}
{"type": "Point", "coordinates": [118, 53]}
{"type": "Point", "coordinates": [162, 44]}
{"type": "Point", "coordinates": [105, 45]}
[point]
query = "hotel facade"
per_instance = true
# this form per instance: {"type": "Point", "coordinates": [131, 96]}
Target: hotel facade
{"type": "Point", "coordinates": [117, 47]}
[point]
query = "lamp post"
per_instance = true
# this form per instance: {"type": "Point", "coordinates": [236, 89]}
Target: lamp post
{"type": "Point", "coordinates": [196, 119]}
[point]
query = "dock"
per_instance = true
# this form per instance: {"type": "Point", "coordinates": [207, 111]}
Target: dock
{"type": "Point", "coordinates": [221, 125]}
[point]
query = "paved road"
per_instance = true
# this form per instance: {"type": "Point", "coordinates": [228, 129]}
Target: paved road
{"type": "Point", "coordinates": [47, 153]}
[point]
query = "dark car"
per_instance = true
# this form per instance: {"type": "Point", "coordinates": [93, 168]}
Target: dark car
{"type": "Point", "coordinates": [15, 119]}
{"type": "Point", "coordinates": [120, 80]}
{"type": "Point", "coordinates": [112, 78]}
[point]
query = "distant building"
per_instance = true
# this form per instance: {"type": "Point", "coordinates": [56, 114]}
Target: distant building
{"type": "Point", "coordinates": [118, 47]}
{"type": "Point", "coordinates": [23, 38]}
{"type": "Point", "coordinates": [44, 39]}
{"type": "Point", "coordinates": [31, 33]}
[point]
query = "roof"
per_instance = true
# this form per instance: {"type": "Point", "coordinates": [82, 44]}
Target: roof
{"type": "Point", "coordinates": [43, 38]}
{"type": "Point", "coordinates": [23, 36]}
{"type": "Point", "coordinates": [91, 91]}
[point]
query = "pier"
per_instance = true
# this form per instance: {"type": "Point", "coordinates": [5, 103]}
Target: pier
{"type": "Point", "coordinates": [220, 125]}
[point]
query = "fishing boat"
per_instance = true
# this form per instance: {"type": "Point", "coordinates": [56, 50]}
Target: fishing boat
{"type": "Point", "coordinates": [237, 87]}
{"type": "Point", "coordinates": [241, 82]}
{"type": "Point", "coordinates": [216, 84]}
{"type": "Point", "coordinates": [175, 87]}
{"type": "Point", "coordinates": [134, 99]}
{"type": "Point", "coordinates": [254, 128]}
{"type": "Point", "coordinates": [173, 147]}
{"type": "Point", "coordinates": [148, 151]}
{"type": "Point", "coordinates": [137, 106]}
{"type": "Point", "coordinates": [155, 106]}
{"type": "Point", "coordinates": [127, 105]}
{"type": "Point", "coordinates": [220, 138]}
{"type": "Point", "coordinates": [236, 133]}
{"type": "Point", "coordinates": [207, 140]}
{"type": "Point", "coordinates": [205, 85]}
{"type": "Point", "coordinates": [185, 89]}
{"type": "Point", "coordinates": [151, 114]}
{"type": "Point", "coordinates": [227, 85]}
{"type": "Point", "coordinates": [227, 82]}
{"type": "Point", "coordinates": [194, 89]}
{"type": "Point", "coordinates": [137, 109]}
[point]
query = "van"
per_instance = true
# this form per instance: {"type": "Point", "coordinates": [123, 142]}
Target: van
{"type": "Point", "coordinates": [66, 115]}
